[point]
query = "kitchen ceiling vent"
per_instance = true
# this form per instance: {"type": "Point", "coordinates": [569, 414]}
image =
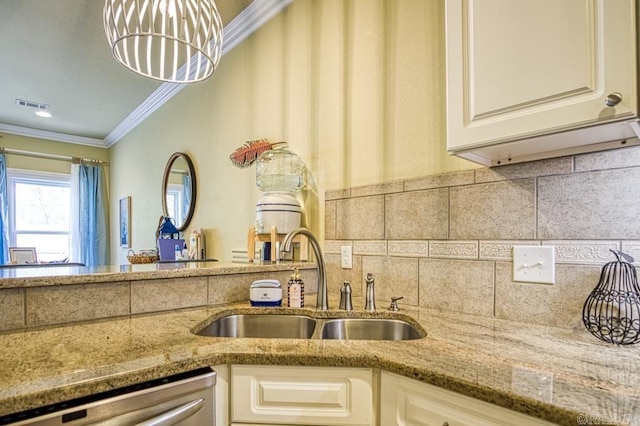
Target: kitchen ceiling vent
{"type": "Point", "coordinates": [29, 104]}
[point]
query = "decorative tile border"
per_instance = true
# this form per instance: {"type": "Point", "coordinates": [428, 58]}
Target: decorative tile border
{"type": "Point", "coordinates": [632, 248]}
{"type": "Point", "coordinates": [408, 248]}
{"type": "Point", "coordinates": [453, 249]}
{"type": "Point", "coordinates": [333, 246]}
{"type": "Point", "coordinates": [502, 250]}
{"type": "Point", "coordinates": [371, 248]}
{"type": "Point", "coordinates": [584, 252]}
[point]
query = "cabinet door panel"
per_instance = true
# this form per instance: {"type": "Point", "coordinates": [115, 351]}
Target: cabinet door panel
{"type": "Point", "coordinates": [529, 54]}
{"type": "Point", "coordinates": [302, 395]}
{"type": "Point", "coordinates": [407, 402]}
{"type": "Point", "coordinates": [518, 69]}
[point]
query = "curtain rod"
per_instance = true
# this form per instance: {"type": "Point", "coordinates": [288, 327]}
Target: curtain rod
{"type": "Point", "coordinates": [51, 156]}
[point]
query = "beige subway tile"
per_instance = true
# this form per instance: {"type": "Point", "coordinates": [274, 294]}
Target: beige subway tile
{"type": "Point", "coordinates": [593, 205]}
{"type": "Point", "coordinates": [60, 304]}
{"type": "Point", "coordinates": [502, 250]}
{"type": "Point", "coordinates": [466, 177]}
{"type": "Point", "coordinates": [558, 305]}
{"type": "Point", "coordinates": [360, 218]}
{"type": "Point", "coordinates": [235, 288]}
{"type": "Point", "coordinates": [499, 210]}
{"type": "Point", "coordinates": [417, 215]}
{"type": "Point", "coordinates": [465, 286]}
{"type": "Point", "coordinates": [408, 248]}
{"type": "Point", "coordinates": [12, 308]}
{"type": "Point", "coordinates": [310, 278]}
{"type": "Point", "coordinates": [380, 189]}
{"type": "Point", "coordinates": [453, 249]}
{"type": "Point", "coordinates": [588, 252]}
{"type": "Point", "coordinates": [610, 159]}
{"type": "Point", "coordinates": [370, 248]}
{"type": "Point", "coordinates": [337, 194]}
{"type": "Point", "coordinates": [553, 166]}
{"type": "Point", "coordinates": [168, 294]}
{"type": "Point", "coordinates": [336, 275]}
{"type": "Point", "coordinates": [230, 288]}
{"type": "Point", "coordinates": [394, 276]}
{"type": "Point", "coordinates": [330, 220]}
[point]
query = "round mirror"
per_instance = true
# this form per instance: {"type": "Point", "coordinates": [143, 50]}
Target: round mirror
{"type": "Point", "coordinates": [179, 190]}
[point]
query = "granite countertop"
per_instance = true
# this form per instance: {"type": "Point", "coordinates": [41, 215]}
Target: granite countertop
{"type": "Point", "coordinates": [564, 376]}
{"type": "Point", "coordinates": [42, 276]}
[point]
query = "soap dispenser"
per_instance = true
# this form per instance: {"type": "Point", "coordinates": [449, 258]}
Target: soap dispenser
{"type": "Point", "coordinates": [295, 291]}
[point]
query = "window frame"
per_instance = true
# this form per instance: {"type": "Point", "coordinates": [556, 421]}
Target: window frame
{"type": "Point", "coordinates": [15, 176]}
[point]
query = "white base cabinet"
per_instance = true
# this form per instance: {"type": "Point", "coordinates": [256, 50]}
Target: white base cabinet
{"type": "Point", "coordinates": [302, 396]}
{"type": "Point", "coordinates": [222, 394]}
{"type": "Point", "coordinates": [407, 402]}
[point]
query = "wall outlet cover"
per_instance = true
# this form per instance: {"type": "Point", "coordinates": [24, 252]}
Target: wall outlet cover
{"type": "Point", "coordinates": [346, 257]}
{"type": "Point", "coordinates": [534, 264]}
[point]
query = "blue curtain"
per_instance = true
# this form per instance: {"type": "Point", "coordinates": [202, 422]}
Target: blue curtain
{"type": "Point", "coordinates": [4, 212]}
{"type": "Point", "coordinates": [94, 247]}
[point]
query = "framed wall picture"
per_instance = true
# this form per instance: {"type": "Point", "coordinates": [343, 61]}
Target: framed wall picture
{"type": "Point", "coordinates": [125, 222]}
{"type": "Point", "coordinates": [22, 255]}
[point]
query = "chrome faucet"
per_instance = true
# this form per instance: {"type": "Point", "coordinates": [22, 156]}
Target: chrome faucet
{"type": "Point", "coordinates": [322, 295]}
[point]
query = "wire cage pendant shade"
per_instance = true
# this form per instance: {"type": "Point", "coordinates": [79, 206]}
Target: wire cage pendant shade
{"type": "Point", "coordinates": [178, 41]}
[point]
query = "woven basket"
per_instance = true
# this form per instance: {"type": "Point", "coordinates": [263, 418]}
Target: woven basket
{"type": "Point", "coordinates": [136, 259]}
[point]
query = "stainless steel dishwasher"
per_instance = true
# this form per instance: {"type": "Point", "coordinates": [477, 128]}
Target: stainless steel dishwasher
{"type": "Point", "coordinates": [186, 399]}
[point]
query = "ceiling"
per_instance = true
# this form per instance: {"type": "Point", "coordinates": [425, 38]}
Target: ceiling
{"type": "Point", "coordinates": [55, 52]}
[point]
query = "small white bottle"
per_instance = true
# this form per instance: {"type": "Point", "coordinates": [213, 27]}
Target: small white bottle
{"type": "Point", "coordinates": [185, 252]}
{"type": "Point", "coordinates": [178, 253]}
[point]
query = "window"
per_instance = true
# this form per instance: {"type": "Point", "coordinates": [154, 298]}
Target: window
{"type": "Point", "coordinates": [39, 209]}
{"type": "Point", "coordinates": [175, 202]}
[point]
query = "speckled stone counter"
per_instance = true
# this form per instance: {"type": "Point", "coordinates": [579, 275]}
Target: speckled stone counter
{"type": "Point", "coordinates": [551, 373]}
{"type": "Point", "coordinates": [59, 275]}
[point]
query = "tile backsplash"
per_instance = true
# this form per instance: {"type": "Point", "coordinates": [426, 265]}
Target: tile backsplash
{"type": "Point", "coordinates": [445, 241]}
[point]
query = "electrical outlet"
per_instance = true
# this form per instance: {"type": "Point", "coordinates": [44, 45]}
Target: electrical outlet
{"type": "Point", "coordinates": [534, 264]}
{"type": "Point", "coordinates": [346, 256]}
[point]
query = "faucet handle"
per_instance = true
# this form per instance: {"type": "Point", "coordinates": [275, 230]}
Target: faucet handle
{"type": "Point", "coordinates": [345, 297]}
{"type": "Point", "coordinates": [394, 303]}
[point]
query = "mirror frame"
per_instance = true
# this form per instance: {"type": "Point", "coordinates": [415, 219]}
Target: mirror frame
{"type": "Point", "coordinates": [165, 184]}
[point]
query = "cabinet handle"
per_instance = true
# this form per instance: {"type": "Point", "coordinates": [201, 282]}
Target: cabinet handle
{"type": "Point", "coordinates": [445, 424]}
{"type": "Point", "coordinates": [613, 99]}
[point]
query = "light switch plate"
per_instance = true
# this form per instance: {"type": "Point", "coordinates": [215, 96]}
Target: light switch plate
{"type": "Point", "coordinates": [534, 264]}
{"type": "Point", "coordinates": [346, 257]}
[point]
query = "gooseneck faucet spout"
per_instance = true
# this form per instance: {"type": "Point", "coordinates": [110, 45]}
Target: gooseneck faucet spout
{"type": "Point", "coordinates": [322, 301]}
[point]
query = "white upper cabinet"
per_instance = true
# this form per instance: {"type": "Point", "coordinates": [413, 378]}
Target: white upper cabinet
{"type": "Point", "coordinates": [530, 79]}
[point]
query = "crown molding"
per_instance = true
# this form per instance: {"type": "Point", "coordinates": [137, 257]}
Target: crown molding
{"type": "Point", "coordinates": [49, 135]}
{"type": "Point", "coordinates": [242, 26]}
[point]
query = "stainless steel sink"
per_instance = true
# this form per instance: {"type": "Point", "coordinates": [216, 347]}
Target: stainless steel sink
{"type": "Point", "coordinates": [282, 326]}
{"type": "Point", "coordinates": [260, 325]}
{"type": "Point", "coordinates": [369, 329]}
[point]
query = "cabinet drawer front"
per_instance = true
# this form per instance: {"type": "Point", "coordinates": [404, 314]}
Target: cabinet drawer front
{"type": "Point", "coordinates": [407, 402]}
{"type": "Point", "coordinates": [302, 395]}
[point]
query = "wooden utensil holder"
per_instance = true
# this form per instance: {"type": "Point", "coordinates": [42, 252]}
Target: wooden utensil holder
{"type": "Point", "coordinates": [273, 238]}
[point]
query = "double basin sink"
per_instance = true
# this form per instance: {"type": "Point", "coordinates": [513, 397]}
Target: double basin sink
{"type": "Point", "coordinates": [283, 326]}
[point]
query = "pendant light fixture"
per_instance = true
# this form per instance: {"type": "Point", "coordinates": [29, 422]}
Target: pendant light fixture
{"type": "Point", "coordinates": [178, 41]}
